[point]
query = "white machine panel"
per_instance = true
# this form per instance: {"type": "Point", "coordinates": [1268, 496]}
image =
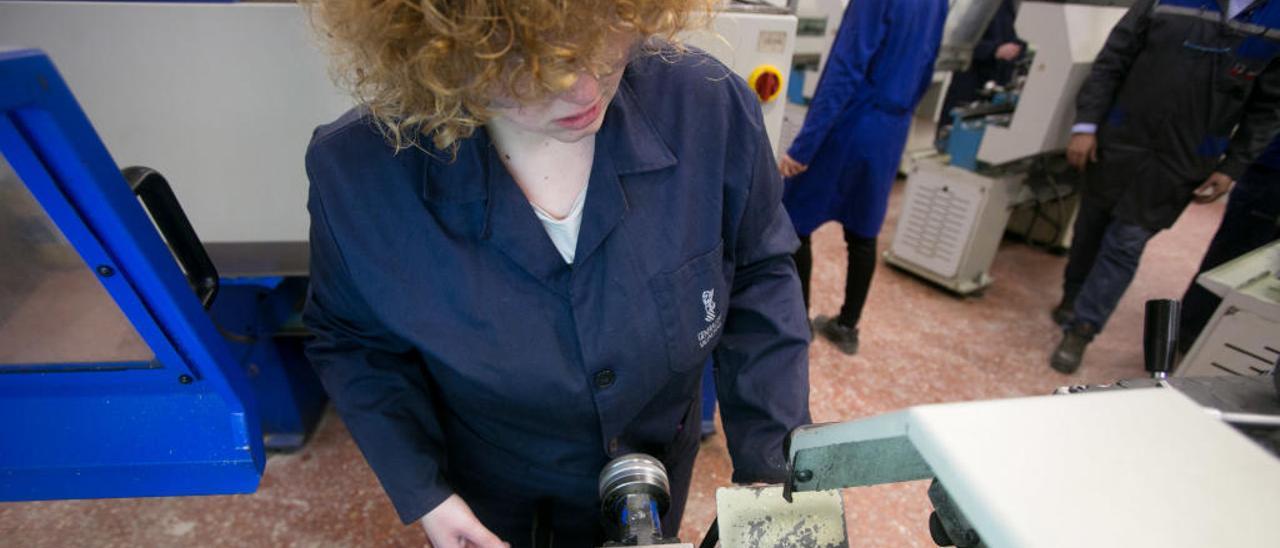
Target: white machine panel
{"type": "Point", "coordinates": [1127, 468]}
{"type": "Point", "coordinates": [1243, 336]}
{"type": "Point", "coordinates": [951, 224]}
{"type": "Point", "coordinates": [744, 41]}
{"type": "Point", "coordinates": [219, 98]}
{"type": "Point", "coordinates": [1066, 38]}
{"type": "Point", "coordinates": [936, 221]}
{"type": "Point", "coordinates": [1144, 468]}
{"type": "Point", "coordinates": [829, 11]}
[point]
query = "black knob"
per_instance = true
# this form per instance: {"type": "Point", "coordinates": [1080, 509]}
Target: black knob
{"type": "Point", "coordinates": [938, 531]}
{"type": "Point", "coordinates": [1275, 378]}
{"type": "Point", "coordinates": [1160, 336]}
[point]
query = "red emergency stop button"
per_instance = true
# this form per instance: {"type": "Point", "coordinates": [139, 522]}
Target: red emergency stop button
{"type": "Point", "coordinates": [766, 81]}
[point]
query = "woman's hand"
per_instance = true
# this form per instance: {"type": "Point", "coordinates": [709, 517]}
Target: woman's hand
{"type": "Point", "coordinates": [1082, 149]}
{"type": "Point", "coordinates": [452, 525]}
{"type": "Point", "coordinates": [789, 167]}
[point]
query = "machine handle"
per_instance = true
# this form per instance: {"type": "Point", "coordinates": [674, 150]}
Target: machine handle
{"type": "Point", "coordinates": [158, 198]}
{"type": "Point", "coordinates": [1160, 336]}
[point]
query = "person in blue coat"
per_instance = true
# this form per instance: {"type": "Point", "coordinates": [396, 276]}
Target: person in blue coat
{"type": "Point", "coordinates": [844, 160]}
{"type": "Point", "coordinates": [500, 309]}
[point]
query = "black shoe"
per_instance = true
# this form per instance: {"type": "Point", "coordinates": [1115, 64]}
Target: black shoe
{"type": "Point", "coordinates": [1065, 313]}
{"type": "Point", "coordinates": [844, 338]}
{"type": "Point", "coordinates": [1070, 352]}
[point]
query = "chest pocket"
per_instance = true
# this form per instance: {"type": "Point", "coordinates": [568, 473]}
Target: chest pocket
{"type": "Point", "coordinates": [1252, 56]}
{"type": "Point", "coordinates": [693, 302]}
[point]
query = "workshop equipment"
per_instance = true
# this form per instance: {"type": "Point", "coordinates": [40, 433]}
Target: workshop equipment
{"type": "Point", "coordinates": [1077, 470]}
{"type": "Point", "coordinates": [634, 494]}
{"type": "Point", "coordinates": [129, 367]}
{"type": "Point", "coordinates": [818, 22]}
{"type": "Point", "coordinates": [1243, 335]}
{"type": "Point", "coordinates": [1003, 153]}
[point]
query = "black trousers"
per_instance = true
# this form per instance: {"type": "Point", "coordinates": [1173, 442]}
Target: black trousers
{"type": "Point", "coordinates": [857, 281]}
{"type": "Point", "coordinates": [1252, 220]}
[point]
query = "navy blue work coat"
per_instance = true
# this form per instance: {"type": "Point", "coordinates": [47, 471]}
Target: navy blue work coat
{"type": "Point", "coordinates": [461, 350]}
{"type": "Point", "coordinates": [880, 66]}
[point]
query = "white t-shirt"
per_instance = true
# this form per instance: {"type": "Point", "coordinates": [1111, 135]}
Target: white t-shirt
{"type": "Point", "coordinates": [564, 232]}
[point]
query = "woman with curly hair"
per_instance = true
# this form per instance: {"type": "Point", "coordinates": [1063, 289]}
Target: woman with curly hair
{"type": "Point", "coordinates": [540, 223]}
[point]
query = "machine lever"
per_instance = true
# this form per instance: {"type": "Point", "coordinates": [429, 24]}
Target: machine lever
{"type": "Point", "coordinates": [160, 202]}
{"type": "Point", "coordinates": [1160, 336]}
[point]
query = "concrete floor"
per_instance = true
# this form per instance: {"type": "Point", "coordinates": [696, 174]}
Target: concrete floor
{"type": "Point", "coordinates": [919, 345]}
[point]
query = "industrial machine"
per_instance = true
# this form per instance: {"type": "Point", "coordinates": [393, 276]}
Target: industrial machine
{"type": "Point", "coordinates": [1162, 461]}
{"type": "Point", "coordinates": [818, 21]}
{"type": "Point", "coordinates": [219, 97]}
{"type": "Point", "coordinates": [1243, 336]}
{"type": "Point", "coordinates": [1197, 458]}
{"type": "Point", "coordinates": [634, 495]}
{"type": "Point", "coordinates": [128, 366]}
{"type": "Point", "coordinates": [756, 40]}
{"type": "Point", "coordinates": [1002, 153]}
{"type": "Point", "coordinates": [1112, 460]}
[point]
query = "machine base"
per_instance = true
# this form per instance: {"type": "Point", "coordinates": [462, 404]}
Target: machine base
{"type": "Point", "coordinates": [961, 287]}
{"type": "Point", "coordinates": [251, 314]}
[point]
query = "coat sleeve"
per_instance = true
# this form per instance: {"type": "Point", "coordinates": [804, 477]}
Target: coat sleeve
{"type": "Point", "coordinates": [1111, 66]}
{"type": "Point", "coordinates": [926, 79]}
{"type": "Point", "coordinates": [377, 382]}
{"type": "Point", "coordinates": [1258, 125]}
{"type": "Point", "coordinates": [762, 362]}
{"type": "Point", "coordinates": [862, 29]}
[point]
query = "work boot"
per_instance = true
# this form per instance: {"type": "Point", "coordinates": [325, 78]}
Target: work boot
{"type": "Point", "coordinates": [843, 337]}
{"type": "Point", "coordinates": [1065, 313]}
{"type": "Point", "coordinates": [1070, 352]}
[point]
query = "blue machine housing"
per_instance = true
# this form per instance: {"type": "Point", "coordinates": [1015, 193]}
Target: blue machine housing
{"type": "Point", "coordinates": [258, 319]}
{"type": "Point", "coordinates": [186, 423]}
{"type": "Point", "coordinates": [964, 140]}
{"type": "Point", "coordinates": [965, 137]}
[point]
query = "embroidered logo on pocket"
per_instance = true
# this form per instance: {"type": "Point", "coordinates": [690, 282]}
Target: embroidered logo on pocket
{"type": "Point", "coordinates": [716, 320]}
{"type": "Point", "coordinates": [709, 302]}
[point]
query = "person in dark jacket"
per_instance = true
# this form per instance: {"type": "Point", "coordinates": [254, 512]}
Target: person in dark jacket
{"type": "Point", "coordinates": [1183, 97]}
{"type": "Point", "coordinates": [1252, 220]}
{"type": "Point", "coordinates": [526, 244]}
{"type": "Point", "coordinates": [993, 61]}
{"type": "Point", "coordinates": [844, 160]}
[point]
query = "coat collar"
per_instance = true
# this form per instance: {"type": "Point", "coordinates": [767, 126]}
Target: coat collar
{"type": "Point", "coordinates": [630, 137]}
{"type": "Point", "coordinates": [627, 144]}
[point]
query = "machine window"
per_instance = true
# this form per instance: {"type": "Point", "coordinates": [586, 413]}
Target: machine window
{"type": "Point", "coordinates": [53, 310]}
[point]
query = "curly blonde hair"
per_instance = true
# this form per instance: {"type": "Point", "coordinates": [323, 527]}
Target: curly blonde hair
{"type": "Point", "coordinates": [430, 67]}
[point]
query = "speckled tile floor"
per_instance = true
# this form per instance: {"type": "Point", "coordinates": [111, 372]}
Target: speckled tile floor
{"type": "Point", "coordinates": [919, 345]}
